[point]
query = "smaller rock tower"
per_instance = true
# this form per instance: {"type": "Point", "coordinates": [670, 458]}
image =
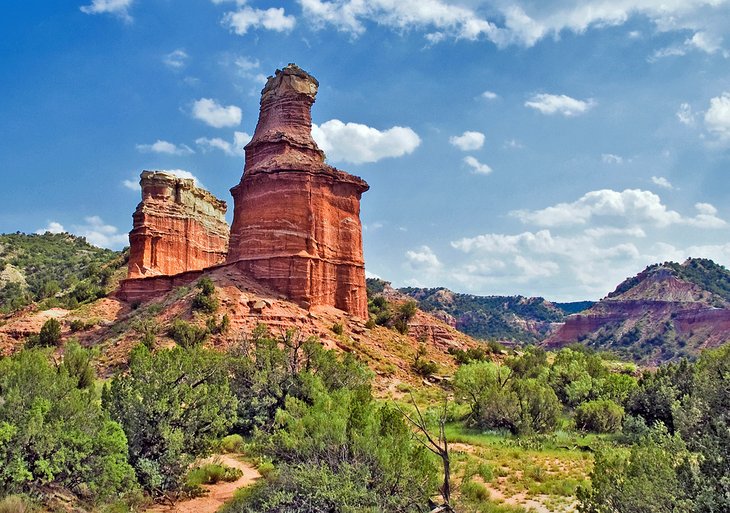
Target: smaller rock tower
{"type": "Point", "coordinates": [178, 227]}
{"type": "Point", "coordinates": [296, 220]}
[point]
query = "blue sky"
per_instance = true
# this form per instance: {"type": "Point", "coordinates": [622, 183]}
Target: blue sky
{"type": "Point", "coordinates": [512, 146]}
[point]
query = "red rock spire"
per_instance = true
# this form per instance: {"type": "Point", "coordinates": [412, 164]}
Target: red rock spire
{"type": "Point", "coordinates": [296, 221]}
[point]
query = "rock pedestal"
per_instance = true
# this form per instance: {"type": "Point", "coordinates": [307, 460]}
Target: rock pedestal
{"type": "Point", "coordinates": [178, 227]}
{"type": "Point", "coordinates": [296, 221]}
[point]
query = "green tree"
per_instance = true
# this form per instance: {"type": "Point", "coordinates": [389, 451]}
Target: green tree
{"type": "Point", "coordinates": [599, 416]}
{"type": "Point", "coordinates": [54, 432]}
{"type": "Point", "coordinates": [703, 419]}
{"type": "Point", "coordinates": [50, 334]}
{"type": "Point", "coordinates": [172, 405]}
{"type": "Point", "coordinates": [643, 479]}
{"type": "Point", "coordinates": [344, 452]}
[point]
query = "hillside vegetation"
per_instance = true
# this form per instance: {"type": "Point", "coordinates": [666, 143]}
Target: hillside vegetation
{"type": "Point", "coordinates": [57, 268]}
{"type": "Point", "coordinates": [506, 318]}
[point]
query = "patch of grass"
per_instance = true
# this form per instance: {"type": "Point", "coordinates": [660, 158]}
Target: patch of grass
{"type": "Point", "coordinates": [474, 491]}
{"type": "Point", "coordinates": [15, 504]}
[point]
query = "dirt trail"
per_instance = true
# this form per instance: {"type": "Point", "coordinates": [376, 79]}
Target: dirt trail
{"type": "Point", "coordinates": [217, 493]}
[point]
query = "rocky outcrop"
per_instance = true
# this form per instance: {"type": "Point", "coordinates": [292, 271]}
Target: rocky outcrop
{"type": "Point", "coordinates": [663, 313]}
{"type": "Point", "coordinates": [296, 221]}
{"type": "Point", "coordinates": [178, 227]}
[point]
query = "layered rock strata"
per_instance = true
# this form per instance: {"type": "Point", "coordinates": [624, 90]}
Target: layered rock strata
{"type": "Point", "coordinates": [178, 227]}
{"type": "Point", "coordinates": [296, 222]}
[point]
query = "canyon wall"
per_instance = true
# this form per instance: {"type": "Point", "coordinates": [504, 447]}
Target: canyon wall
{"type": "Point", "coordinates": [296, 221]}
{"type": "Point", "coordinates": [178, 227]}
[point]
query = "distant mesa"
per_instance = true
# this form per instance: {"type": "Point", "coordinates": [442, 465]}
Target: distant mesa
{"type": "Point", "coordinates": [296, 221]}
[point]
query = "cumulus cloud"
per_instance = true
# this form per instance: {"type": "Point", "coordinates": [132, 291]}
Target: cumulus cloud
{"type": "Point", "coordinates": [489, 95]}
{"type": "Point", "coordinates": [176, 59]}
{"type": "Point", "coordinates": [357, 144]}
{"type": "Point", "coordinates": [232, 149]}
{"type": "Point", "coordinates": [476, 166]}
{"type": "Point", "coordinates": [631, 204]}
{"type": "Point", "coordinates": [116, 7]}
{"type": "Point", "coordinates": [246, 18]}
{"type": "Point", "coordinates": [440, 19]}
{"type": "Point", "coordinates": [662, 182]}
{"type": "Point", "coordinates": [467, 141]}
{"type": "Point", "coordinates": [98, 233]}
{"type": "Point", "coordinates": [550, 104]}
{"type": "Point", "coordinates": [422, 259]}
{"type": "Point", "coordinates": [519, 22]}
{"type": "Point", "coordinates": [166, 147]}
{"type": "Point", "coordinates": [610, 158]}
{"type": "Point", "coordinates": [94, 229]}
{"type": "Point", "coordinates": [216, 115]}
{"type": "Point", "coordinates": [717, 117]}
{"type": "Point", "coordinates": [52, 227]}
{"type": "Point", "coordinates": [132, 185]}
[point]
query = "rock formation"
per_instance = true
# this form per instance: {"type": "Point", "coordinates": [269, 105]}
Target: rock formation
{"type": "Point", "coordinates": [178, 227]}
{"type": "Point", "coordinates": [296, 222]}
{"type": "Point", "coordinates": [664, 313]}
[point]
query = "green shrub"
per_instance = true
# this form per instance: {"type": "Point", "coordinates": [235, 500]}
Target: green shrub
{"type": "Point", "coordinates": [173, 405]}
{"type": "Point", "coordinates": [54, 432]}
{"type": "Point", "coordinates": [338, 328]}
{"type": "Point", "coordinates": [205, 300]}
{"type": "Point", "coordinates": [370, 324]}
{"type": "Point", "coordinates": [266, 469]}
{"type": "Point", "coordinates": [186, 334]}
{"type": "Point", "coordinates": [77, 325]}
{"type": "Point", "coordinates": [600, 416]}
{"type": "Point", "coordinates": [211, 473]}
{"type": "Point", "coordinates": [474, 491]}
{"type": "Point", "coordinates": [206, 304]}
{"type": "Point", "coordinates": [420, 365]}
{"type": "Point", "coordinates": [232, 443]}
{"type": "Point", "coordinates": [50, 334]}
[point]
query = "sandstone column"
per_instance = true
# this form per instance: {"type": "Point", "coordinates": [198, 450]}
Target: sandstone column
{"type": "Point", "coordinates": [178, 227]}
{"type": "Point", "coordinates": [296, 220]}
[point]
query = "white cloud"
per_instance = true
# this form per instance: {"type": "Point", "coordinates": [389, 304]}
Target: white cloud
{"type": "Point", "coordinates": [132, 185]}
{"type": "Point", "coordinates": [246, 18]}
{"type": "Point", "coordinates": [115, 7]}
{"type": "Point", "coordinates": [422, 259]}
{"type": "Point", "coordinates": [176, 59]}
{"type": "Point", "coordinates": [521, 22]}
{"type": "Point", "coordinates": [468, 141]}
{"type": "Point", "coordinates": [489, 95]}
{"type": "Point", "coordinates": [633, 205]}
{"type": "Point", "coordinates": [476, 166]}
{"type": "Point", "coordinates": [98, 233]}
{"type": "Point", "coordinates": [513, 144]}
{"type": "Point", "coordinates": [705, 42]}
{"type": "Point", "coordinates": [52, 227]}
{"type": "Point", "coordinates": [440, 19]}
{"type": "Point", "coordinates": [559, 104]}
{"type": "Point", "coordinates": [610, 158]}
{"type": "Point", "coordinates": [662, 182]}
{"type": "Point", "coordinates": [356, 143]}
{"type": "Point", "coordinates": [232, 149]}
{"type": "Point", "coordinates": [717, 117]}
{"type": "Point", "coordinates": [166, 147]}
{"type": "Point", "coordinates": [214, 114]}
{"type": "Point", "coordinates": [685, 115]}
